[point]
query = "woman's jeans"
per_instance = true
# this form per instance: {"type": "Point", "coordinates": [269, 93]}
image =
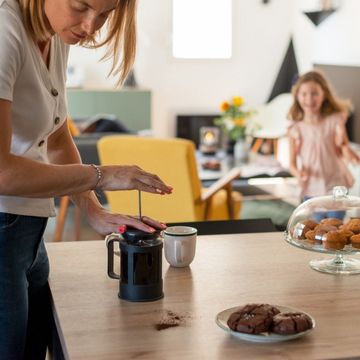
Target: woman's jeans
{"type": "Point", "coordinates": [24, 297]}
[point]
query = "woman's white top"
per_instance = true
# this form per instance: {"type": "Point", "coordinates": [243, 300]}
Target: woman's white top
{"type": "Point", "coordinates": [38, 99]}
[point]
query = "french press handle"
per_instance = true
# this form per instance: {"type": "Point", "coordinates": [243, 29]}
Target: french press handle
{"type": "Point", "coordinates": [110, 239]}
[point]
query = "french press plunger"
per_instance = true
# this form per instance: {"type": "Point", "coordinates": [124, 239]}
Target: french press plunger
{"type": "Point", "coordinates": [140, 264]}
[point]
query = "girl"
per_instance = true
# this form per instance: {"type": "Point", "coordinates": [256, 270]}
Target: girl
{"type": "Point", "coordinates": [318, 140]}
{"type": "Point", "coordinates": [38, 158]}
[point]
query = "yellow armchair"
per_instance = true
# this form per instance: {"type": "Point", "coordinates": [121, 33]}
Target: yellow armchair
{"type": "Point", "coordinates": [173, 160]}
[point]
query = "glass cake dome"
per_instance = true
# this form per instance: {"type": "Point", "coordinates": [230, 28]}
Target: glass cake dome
{"type": "Point", "coordinates": [331, 225]}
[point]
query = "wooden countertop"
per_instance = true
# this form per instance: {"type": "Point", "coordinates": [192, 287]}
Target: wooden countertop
{"type": "Point", "coordinates": [228, 270]}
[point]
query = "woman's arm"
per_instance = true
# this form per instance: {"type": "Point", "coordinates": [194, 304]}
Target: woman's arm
{"type": "Point", "coordinates": [62, 150]}
{"type": "Point", "coordinates": [20, 176]}
{"type": "Point", "coordinates": [65, 175]}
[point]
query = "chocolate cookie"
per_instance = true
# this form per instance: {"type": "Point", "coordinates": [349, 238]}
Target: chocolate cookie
{"type": "Point", "coordinates": [291, 323]}
{"type": "Point", "coordinates": [252, 318]}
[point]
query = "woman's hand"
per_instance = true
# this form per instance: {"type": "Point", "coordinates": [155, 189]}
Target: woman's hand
{"type": "Point", "coordinates": [131, 177]}
{"type": "Point", "coordinates": [104, 222]}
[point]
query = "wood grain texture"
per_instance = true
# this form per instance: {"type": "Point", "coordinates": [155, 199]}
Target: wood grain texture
{"type": "Point", "coordinates": [228, 270]}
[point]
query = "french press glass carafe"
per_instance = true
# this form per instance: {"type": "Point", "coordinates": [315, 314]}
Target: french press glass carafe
{"type": "Point", "coordinates": [140, 265]}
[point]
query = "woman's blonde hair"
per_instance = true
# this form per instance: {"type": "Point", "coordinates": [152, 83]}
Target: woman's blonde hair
{"type": "Point", "coordinates": [331, 104]}
{"type": "Point", "coordinates": [120, 38]}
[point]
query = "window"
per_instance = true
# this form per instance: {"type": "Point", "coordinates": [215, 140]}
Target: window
{"type": "Point", "coordinates": [202, 29]}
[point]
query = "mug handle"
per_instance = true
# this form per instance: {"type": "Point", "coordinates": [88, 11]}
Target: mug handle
{"type": "Point", "coordinates": [178, 256]}
{"type": "Point", "coordinates": [110, 239]}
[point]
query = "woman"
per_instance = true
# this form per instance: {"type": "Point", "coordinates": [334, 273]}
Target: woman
{"type": "Point", "coordinates": [38, 159]}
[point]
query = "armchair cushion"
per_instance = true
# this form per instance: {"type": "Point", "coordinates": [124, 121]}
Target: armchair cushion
{"type": "Point", "coordinates": [218, 209]}
{"type": "Point", "coordinates": [174, 161]}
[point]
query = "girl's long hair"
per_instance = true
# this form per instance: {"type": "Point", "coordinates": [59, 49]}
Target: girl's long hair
{"type": "Point", "coordinates": [120, 38]}
{"type": "Point", "coordinates": [331, 104]}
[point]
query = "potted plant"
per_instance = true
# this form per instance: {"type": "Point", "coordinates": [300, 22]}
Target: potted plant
{"type": "Point", "coordinates": [236, 122]}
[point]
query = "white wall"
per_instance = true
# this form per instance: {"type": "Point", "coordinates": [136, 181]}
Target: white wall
{"type": "Point", "coordinates": [260, 38]}
{"type": "Point", "coordinates": [335, 41]}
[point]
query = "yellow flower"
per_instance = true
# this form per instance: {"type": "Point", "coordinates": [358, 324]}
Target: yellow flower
{"type": "Point", "coordinates": [224, 106]}
{"type": "Point", "coordinates": [239, 122]}
{"type": "Point", "coordinates": [238, 100]}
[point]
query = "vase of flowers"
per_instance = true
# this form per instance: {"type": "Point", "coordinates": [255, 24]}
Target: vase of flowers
{"type": "Point", "coordinates": [241, 151]}
{"type": "Point", "coordinates": [236, 122]}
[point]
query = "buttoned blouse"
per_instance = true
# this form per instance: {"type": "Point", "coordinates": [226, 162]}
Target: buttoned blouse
{"type": "Point", "coordinates": [38, 97]}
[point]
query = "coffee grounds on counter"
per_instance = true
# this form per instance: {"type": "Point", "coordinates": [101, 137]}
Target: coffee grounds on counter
{"type": "Point", "coordinates": [164, 326]}
{"type": "Point", "coordinates": [170, 319]}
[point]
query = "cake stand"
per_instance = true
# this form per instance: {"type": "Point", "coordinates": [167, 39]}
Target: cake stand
{"type": "Point", "coordinates": [340, 264]}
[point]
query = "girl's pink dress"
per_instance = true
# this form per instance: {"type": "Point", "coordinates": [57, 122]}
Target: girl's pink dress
{"type": "Point", "coordinates": [318, 151]}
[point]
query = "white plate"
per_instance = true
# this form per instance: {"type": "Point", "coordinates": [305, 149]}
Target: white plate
{"type": "Point", "coordinates": [223, 316]}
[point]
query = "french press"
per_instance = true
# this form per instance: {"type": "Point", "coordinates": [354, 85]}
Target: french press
{"type": "Point", "coordinates": [140, 265]}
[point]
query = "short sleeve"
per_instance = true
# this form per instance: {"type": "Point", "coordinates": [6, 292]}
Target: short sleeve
{"type": "Point", "coordinates": [295, 134]}
{"type": "Point", "coordinates": [293, 131]}
{"type": "Point", "coordinates": [11, 58]}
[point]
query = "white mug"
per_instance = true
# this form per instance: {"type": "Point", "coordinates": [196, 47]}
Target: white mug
{"type": "Point", "coordinates": [179, 245]}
